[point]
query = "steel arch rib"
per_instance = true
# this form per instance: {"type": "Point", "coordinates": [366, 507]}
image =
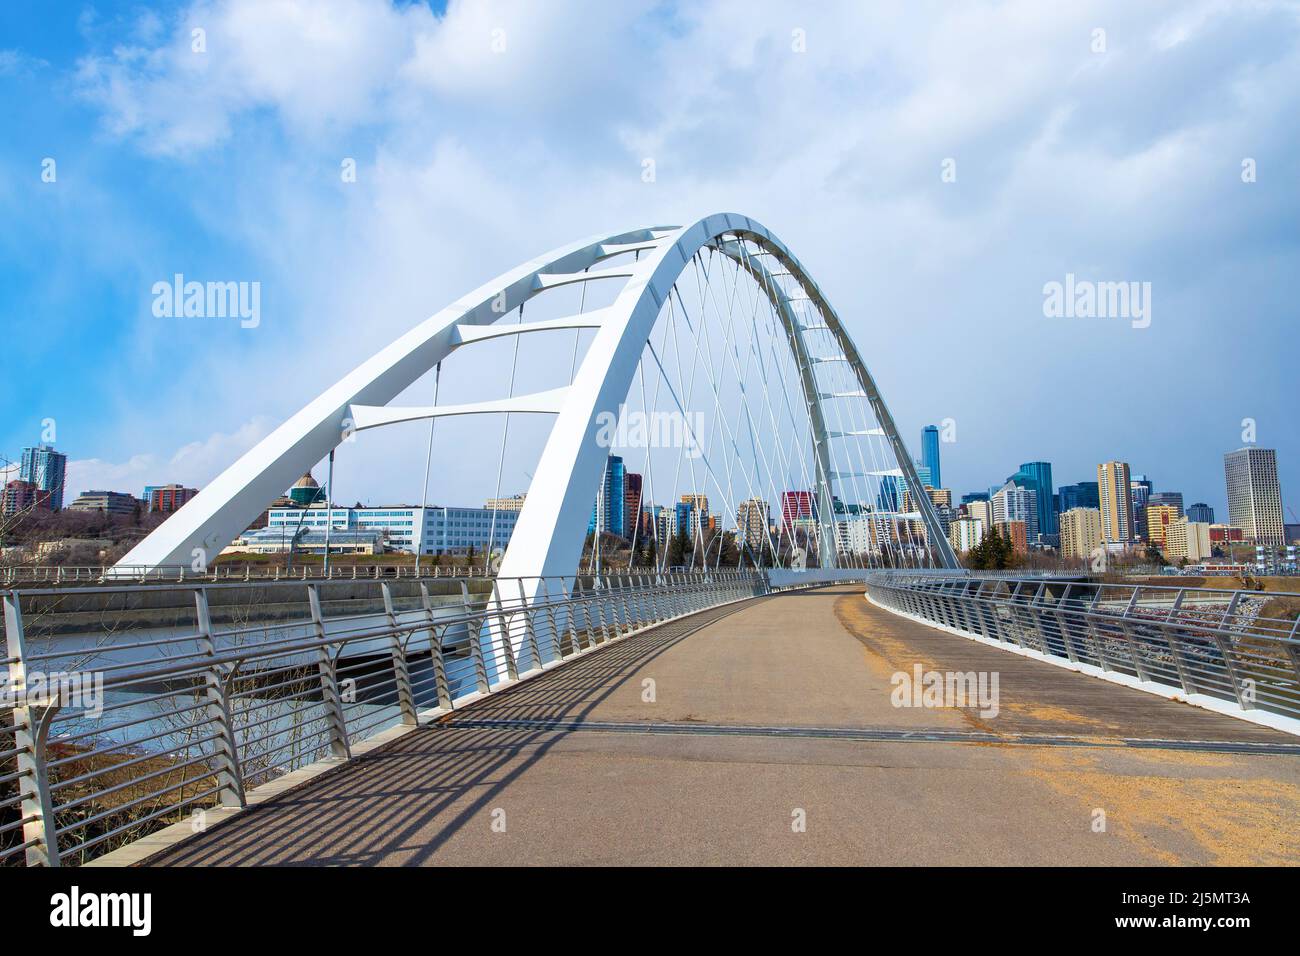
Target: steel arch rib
{"type": "Point", "coordinates": [551, 528]}
{"type": "Point", "coordinates": [226, 506]}
{"type": "Point", "coordinates": [549, 534]}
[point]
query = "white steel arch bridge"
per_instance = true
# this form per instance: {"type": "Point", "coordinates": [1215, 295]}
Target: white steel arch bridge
{"type": "Point", "coordinates": [786, 414]}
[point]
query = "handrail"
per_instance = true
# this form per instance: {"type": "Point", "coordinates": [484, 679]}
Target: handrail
{"type": "Point", "coordinates": [1210, 642]}
{"type": "Point", "coordinates": [196, 718]}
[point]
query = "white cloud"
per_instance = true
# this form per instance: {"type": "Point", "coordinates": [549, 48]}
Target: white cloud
{"type": "Point", "coordinates": [472, 160]}
{"type": "Point", "coordinates": [193, 464]}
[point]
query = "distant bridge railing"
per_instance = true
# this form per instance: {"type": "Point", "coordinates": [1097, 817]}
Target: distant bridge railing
{"type": "Point", "coordinates": [1199, 642]}
{"type": "Point", "coordinates": [27, 575]}
{"type": "Point", "coordinates": [206, 691]}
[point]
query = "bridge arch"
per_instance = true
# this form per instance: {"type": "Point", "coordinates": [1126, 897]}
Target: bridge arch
{"type": "Point", "coordinates": [549, 534]}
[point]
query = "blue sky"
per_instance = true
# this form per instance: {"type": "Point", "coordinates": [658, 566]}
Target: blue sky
{"type": "Point", "coordinates": [1118, 165]}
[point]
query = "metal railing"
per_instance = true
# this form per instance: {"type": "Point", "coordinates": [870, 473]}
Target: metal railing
{"type": "Point", "coordinates": [202, 697]}
{"type": "Point", "coordinates": [1205, 641]}
{"type": "Point", "coordinates": [28, 575]}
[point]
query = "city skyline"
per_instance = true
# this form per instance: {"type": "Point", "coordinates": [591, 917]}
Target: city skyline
{"type": "Point", "coordinates": [122, 133]}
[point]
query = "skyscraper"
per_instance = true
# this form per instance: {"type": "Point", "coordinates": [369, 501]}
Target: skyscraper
{"type": "Point", "coordinates": [798, 510]}
{"type": "Point", "coordinates": [1085, 494]}
{"type": "Point", "coordinates": [1037, 477]}
{"type": "Point", "coordinates": [890, 496]}
{"type": "Point", "coordinates": [1015, 503]}
{"type": "Point", "coordinates": [1140, 489]}
{"type": "Point", "coordinates": [632, 506]}
{"type": "Point", "coordinates": [1172, 498]}
{"type": "Point", "coordinates": [752, 520]}
{"type": "Point", "coordinates": [930, 453]}
{"type": "Point", "coordinates": [1254, 496]}
{"type": "Point", "coordinates": [1080, 532]}
{"type": "Point", "coordinates": [44, 468]}
{"type": "Point", "coordinates": [1116, 493]}
{"type": "Point", "coordinates": [607, 512]}
{"type": "Point", "coordinates": [1201, 513]}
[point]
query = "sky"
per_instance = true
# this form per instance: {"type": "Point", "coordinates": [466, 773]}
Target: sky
{"type": "Point", "coordinates": [934, 166]}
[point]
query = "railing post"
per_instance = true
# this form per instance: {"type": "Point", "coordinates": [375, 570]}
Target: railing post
{"type": "Point", "coordinates": [440, 685]}
{"type": "Point", "coordinates": [31, 728]}
{"type": "Point", "coordinates": [226, 749]}
{"type": "Point", "coordinates": [601, 598]}
{"type": "Point", "coordinates": [507, 645]}
{"type": "Point", "coordinates": [1175, 649]}
{"type": "Point", "coordinates": [401, 672]}
{"type": "Point", "coordinates": [329, 685]}
{"type": "Point", "coordinates": [530, 633]}
{"type": "Point", "coordinates": [570, 597]}
{"type": "Point", "coordinates": [1126, 628]}
{"type": "Point", "coordinates": [557, 650]}
{"type": "Point", "coordinates": [475, 642]}
{"type": "Point", "coordinates": [1098, 641]}
{"type": "Point", "coordinates": [1225, 648]}
{"type": "Point", "coordinates": [1063, 627]}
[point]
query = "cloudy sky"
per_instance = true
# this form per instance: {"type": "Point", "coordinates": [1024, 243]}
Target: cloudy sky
{"type": "Point", "coordinates": [1105, 140]}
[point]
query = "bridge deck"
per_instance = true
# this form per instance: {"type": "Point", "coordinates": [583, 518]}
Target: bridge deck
{"type": "Point", "coordinates": [783, 704]}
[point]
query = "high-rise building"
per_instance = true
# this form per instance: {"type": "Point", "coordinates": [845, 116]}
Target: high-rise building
{"type": "Point", "coordinates": [798, 510]}
{"type": "Point", "coordinates": [890, 496]}
{"type": "Point", "coordinates": [1254, 496]}
{"type": "Point", "coordinates": [1037, 476]}
{"type": "Point", "coordinates": [1014, 503]}
{"type": "Point", "coordinates": [974, 496]}
{"type": "Point", "coordinates": [665, 525]}
{"type": "Point", "coordinates": [930, 454]}
{"type": "Point", "coordinates": [753, 518]}
{"type": "Point", "coordinates": [1016, 533]}
{"type": "Point", "coordinates": [45, 468]}
{"type": "Point", "coordinates": [1085, 494]}
{"type": "Point", "coordinates": [1159, 517]}
{"type": "Point", "coordinates": [965, 534]}
{"type": "Point", "coordinates": [687, 519]}
{"type": "Point", "coordinates": [1187, 539]}
{"type": "Point", "coordinates": [1201, 513]}
{"type": "Point", "coordinates": [1116, 504]}
{"type": "Point", "coordinates": [981, 511]}
{"type": "Point", "coordinates": [632, 506]}
{"type": "Point", "coordinates": [607, 510]}
{"type": "Point", "coordinates": [1080, 532]}
{"type": "Point", "coordinates": [164, 499]}
{"type": "Point", "coordinates": [19, 495]}
{"type": "Point", "coordinates": [1172, 498]}
{"type": "Point", "coordinates": [1140, 490]}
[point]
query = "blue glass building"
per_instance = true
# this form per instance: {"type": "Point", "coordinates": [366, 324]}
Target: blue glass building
{"type": "Point", "coordinates": [44, 467]}
{"type": "Point", "coordinates": [1037, 477]}
{"type": "Point", "coordinates": [1086, 494]}
{"type": "Point", "coordinates": [608, 508]}
{"type": "Point", "coordinates": [930, 453]}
